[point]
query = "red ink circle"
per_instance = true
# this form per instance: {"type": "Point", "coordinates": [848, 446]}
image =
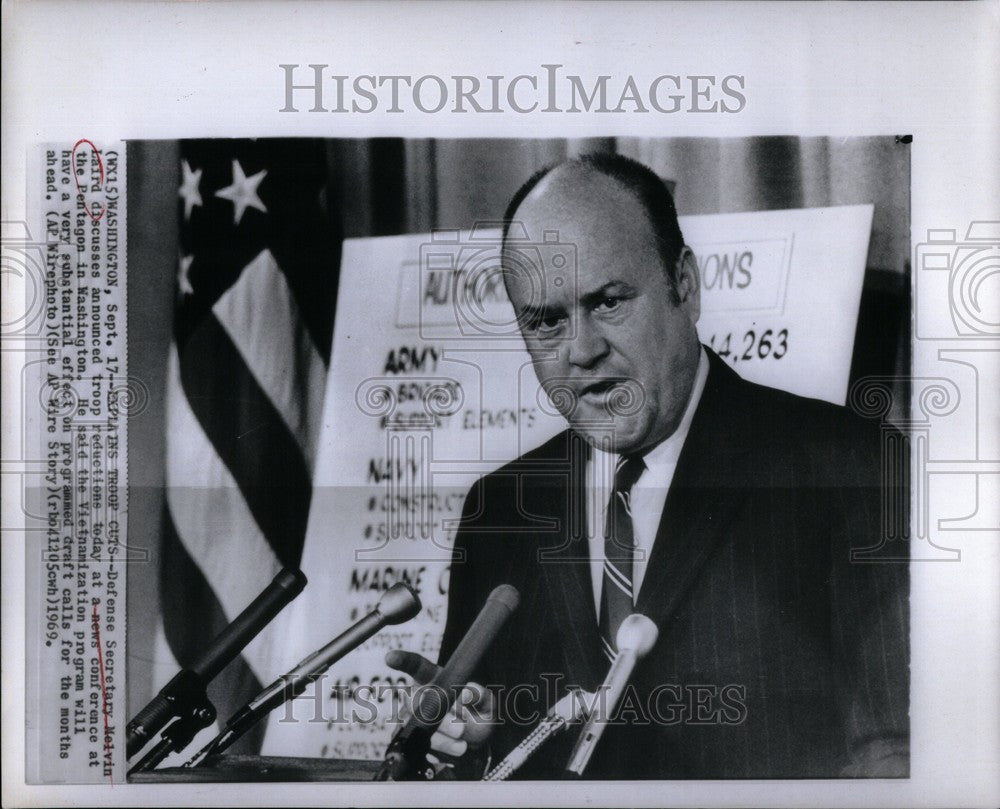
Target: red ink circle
{"type": "Point", "coordinates": [100, 166]}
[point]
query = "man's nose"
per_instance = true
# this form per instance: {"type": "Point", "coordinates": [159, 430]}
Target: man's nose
{"type": "Point", "coordinates": [587, 347]}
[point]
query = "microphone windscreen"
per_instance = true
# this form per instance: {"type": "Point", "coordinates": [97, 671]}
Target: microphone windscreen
{"type": "Point", "coordinates": [636, 634]}
{"type": "Point", "coordinates": [398, 604]}
{"type": "Point", "coordinates": [506, 595]}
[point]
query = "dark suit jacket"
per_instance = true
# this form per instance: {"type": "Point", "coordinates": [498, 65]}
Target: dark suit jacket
{"type": "Point", "coordinates": [777, 655]}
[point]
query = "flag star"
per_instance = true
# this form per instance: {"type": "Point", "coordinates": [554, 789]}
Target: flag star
{"type": "Point", "coordinates": [183, 279]}
{"type": "Point", "coordinates": [243, 192]}
{"type": "Point", "coordinates": [189, 188]}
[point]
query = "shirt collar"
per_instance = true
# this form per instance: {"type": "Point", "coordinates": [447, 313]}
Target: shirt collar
{"type": "Point", "coordinates": [666, 453]}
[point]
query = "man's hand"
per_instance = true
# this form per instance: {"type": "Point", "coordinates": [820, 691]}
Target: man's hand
{"type": "Point", "coordinates": [468, 724]}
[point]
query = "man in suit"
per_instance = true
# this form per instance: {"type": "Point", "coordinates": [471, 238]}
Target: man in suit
{"type": "Point", "coordinates": [725, 511]}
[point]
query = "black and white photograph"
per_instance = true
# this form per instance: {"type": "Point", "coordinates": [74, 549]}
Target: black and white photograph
{"type": "Point", "coordinates": [653, 361]}
{"type": "Point", "coordinates": [515, 404]}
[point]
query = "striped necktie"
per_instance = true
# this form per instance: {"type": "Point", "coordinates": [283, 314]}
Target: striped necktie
{"type": "Point", "coordinates": [619, 549]}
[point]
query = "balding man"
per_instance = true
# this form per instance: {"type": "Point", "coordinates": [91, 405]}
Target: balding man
{"type": "Point", "coordinates": [724, 511]}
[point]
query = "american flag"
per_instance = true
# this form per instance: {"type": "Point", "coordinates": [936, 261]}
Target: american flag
{"type": "Point", "coordinates": [256, 286]}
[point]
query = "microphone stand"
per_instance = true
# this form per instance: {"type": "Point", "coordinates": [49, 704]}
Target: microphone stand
{"type": "Point", "coordinates": [193, 711]}
{"type": "Point", "coordinates": [398, 604]}
{"type": "Point", "coordinates": [634, 639]}
{"type": "Point", "coordinates": [183, 702]}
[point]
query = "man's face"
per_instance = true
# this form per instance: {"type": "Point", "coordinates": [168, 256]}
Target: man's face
{"type": "Point", "coordinates": [611, 344]}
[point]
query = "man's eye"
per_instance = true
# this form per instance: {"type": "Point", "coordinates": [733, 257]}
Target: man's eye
{"type": "Point", "coordinates": [549, 324]}
{"type": "Point", "coordinates": [608, 304]}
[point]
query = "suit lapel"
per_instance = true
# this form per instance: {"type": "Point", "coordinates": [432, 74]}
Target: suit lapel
{"type": "Point", "coordinates": [710, 482]}
{"type": "Point", "coordinates": [564, 557]}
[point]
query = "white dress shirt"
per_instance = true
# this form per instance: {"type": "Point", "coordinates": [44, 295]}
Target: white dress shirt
{"type": "Point", "coordinates": [648, 494]}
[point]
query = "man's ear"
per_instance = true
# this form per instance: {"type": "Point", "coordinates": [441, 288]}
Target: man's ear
{"type": "Point", "coordinates": [689, 284]}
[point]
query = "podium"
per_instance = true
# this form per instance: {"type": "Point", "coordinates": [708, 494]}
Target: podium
{"type": "Point", "coordinates": [231, 769]}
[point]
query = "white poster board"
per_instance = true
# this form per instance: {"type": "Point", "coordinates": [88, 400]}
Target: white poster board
{"type": "Point", "coordinates": [430, 387]}
{"type": "Point", "coordinates": [780, 293]}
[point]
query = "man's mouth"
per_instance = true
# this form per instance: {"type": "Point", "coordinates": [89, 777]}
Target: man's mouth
{"type": "Point", "coordinates": [599, 389]}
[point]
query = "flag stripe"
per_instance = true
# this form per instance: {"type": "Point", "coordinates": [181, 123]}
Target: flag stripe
{"type": "Point", "coordinates": [262, 319]}
{"type": "Point", "coordinates": [257, 276]}
{"type": "Point", "coordinates": [249, 436]}
{"type": "Point", "coordinates": [213, 520]}
{"type": "Point", "coordinates": [192, 617]}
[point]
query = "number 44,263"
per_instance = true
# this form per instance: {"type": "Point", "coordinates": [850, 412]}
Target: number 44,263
{"type": "Point", "coordinates": [751, 346]}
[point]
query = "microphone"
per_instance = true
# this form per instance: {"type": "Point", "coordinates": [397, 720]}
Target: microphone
{"type": "Point", "coordinates": [405, 758]}
{"type": "Point", "coordinates": [570, 709]}
{"type": "Point", "coordinates": [186, 689]}
{"type": "Point", "coordinates": [397, 605]}
{"type": "Point", "coordinates": [635, 638]}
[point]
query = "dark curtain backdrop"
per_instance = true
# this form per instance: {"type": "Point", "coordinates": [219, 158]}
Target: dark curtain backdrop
{"type": "Point", "coordinates": [389, 186]}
